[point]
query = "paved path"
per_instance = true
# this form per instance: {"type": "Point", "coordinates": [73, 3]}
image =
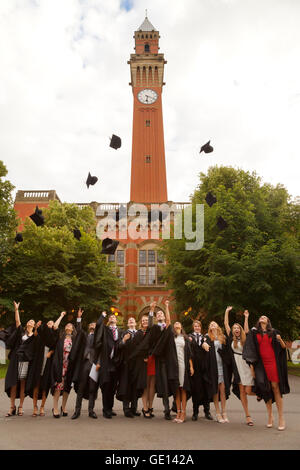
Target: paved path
{"type": "Point", "coordinates": [122, 433]}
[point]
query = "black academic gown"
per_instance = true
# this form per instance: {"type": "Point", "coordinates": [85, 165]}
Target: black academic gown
{"type": "Point", "coordinates": [252, 356]}
{"type": "Point", "coordinates": [46, 337]}
{"type": "Point", "coordinates": [138, 356]}
{"type": "Point", "coordinates": [198, 384]}
{"type": "Point", "coordinates": [161, 381]}
{"type": "Point", "coordinates": [130, 367]}
{"type": "Point", "coordinates": [211, 369]}
{"type": "Point", "coordinates": [19, 351]}
{"type": "Point", "coordinates": [104, 344]}
{"type": "Point", "coordinates": [73, 364]}
{"type": "Point", "coordinates": [166, 350]}
{"type": "Point", "coordinates": [84, 364]}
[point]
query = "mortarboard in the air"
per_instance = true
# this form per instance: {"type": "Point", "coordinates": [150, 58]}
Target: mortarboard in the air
{"type": "Point", "coordinates": [221, 223]}
{"type": "Point", "coordinates": [206, 148]}
{"type": "Point", "coordinates": [210, 199]}
{"type": "Point", "coordinates": [37, 217]}
{"type": "Point", "coordinates": [115, 142]}
{"type": "Point", "coordinates": [91, 180]}
{"type": "Point", "coordinates": [109, 246]}
{"type": "Point", "coordinates": [77, 233]}
{"type": "Point", "coordinates": [19, 237]}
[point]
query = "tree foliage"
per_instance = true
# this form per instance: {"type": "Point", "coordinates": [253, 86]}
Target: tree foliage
{"type": "Point", "coordinates": [8, 220]}
{"type": "Point", "coordinates": [51, 271]}
{"type": "Point", "coordinates": [253, 263]}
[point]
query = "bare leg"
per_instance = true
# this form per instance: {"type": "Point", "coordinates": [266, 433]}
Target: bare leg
{"type": "Point", "coordinates": [151, 390]}
{"type": "Point", "coordinates": [145, 399]}
{"type": "Point", "coordinates": [223, 397]}
{"type": "Point", "coordinates": [279, 404]}
{"type": "Point", "coordinates": [44, 398]}
{"type": "Point", "coordinates": [35, 400]}
{"type": "Point", "coordinates": [22, 392]}
{"type": "Point", "coordinates": [13, 393]}
{"type": "Point", "coordinates": [64, 401]}
{"type": "Point", "coordinates": [270, 416]}
{"type": "Point", "coordinates": [178, 405]}
{"type": "Point", "coordinates": [55, 401]}
{"type": "Point", "coordinates": [183, 404]}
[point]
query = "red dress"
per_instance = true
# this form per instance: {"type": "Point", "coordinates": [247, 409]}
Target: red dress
{"type": "Point", "coordinates": [151, 365]}
{"type": "Point", "coordinates": [268, 357]}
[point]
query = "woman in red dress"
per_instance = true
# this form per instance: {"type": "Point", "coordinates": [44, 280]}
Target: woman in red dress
{"type": "Point", "coordinates": [265, 349]}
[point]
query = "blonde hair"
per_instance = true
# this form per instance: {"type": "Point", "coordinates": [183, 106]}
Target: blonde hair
{"type": "Point", "coordinates": [242, 335]}
{"type": "Point", "coordinates": [220, 335]}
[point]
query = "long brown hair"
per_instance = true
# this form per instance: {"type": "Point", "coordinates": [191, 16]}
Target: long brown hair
{"type": "Point", "coordinates": [242, 335]}
{"type": "Point", "coordinates": [220, 335]}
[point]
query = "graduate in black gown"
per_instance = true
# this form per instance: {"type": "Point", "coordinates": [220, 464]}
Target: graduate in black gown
{"type": "Point", "coordinates": [127, 386]}
{"type": "Point", "coordinates": [199, 391]}
{"type": "Point", "coordinates": [21, 345]}
{"type": "Point", "coordinates": [161, 381]}
{"type": "Point", "coordinates": [174, 346]}
{"type": "Point", "coordinates": [39, 376]}
{"type": "Point", "coordinates": [65, 357]}
{"type": "Point", "coordinates": [266, 351]}
{"type": "Point", "coordinates": [217, 369]}
{"type": "Point", "coordinates": [106, 343]}
{"type": "Point", "coordinates": [84, 385]}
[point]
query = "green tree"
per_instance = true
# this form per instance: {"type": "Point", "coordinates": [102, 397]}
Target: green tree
{"type": "Point", "coordinates": [253, 263]}
{"type": "Point", "coordinates": [52, 271]}
{"type": "Point", "coordinates": [8, 220]}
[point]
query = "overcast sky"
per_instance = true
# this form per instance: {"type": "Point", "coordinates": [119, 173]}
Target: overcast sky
{"type": "Point", "coordinates": [233, 76]}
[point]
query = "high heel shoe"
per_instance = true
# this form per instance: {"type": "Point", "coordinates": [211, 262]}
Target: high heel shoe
{"type": "Point", "coordinates": [281, 428]}
{"type": "Point", "coordinates": [175, 420]}
{"type": "Point", "coordinates": [151, 412]}
{"type": "Point", "coordinates": [270, 425]}
{"type": "Point", "coordinates": [146, 413]}
{"type": "Point", "coordinates": [20, 413]}
{"type": "Point", "coordinates": [62, 412]}
{"type": "Point", "coordinates": [219, 418]}
{"type": "Point", "coordinates": [182, 417]}
{"type": "Point", "coordinates": [224, 416]}
{"type": "Point", "coordinates": [12, 412]}
{"type": "Point", "coordinates": [54, 415]}
{"type": "Point", "coordinates": [35, 412]}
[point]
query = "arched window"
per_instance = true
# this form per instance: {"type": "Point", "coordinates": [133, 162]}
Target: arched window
{"type": "Point", "coordinates": [147, 48]}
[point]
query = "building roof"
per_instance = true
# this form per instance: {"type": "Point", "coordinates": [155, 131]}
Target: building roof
{"type": "Point", "coordinates": [146, 26]}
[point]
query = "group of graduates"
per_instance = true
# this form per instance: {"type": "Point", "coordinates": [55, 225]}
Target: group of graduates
{"type": "Point", "coordinates": [158, 358]}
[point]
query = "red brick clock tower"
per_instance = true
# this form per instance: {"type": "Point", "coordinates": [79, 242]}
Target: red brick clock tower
{"type": "Point", "coordinates": [148, 168]}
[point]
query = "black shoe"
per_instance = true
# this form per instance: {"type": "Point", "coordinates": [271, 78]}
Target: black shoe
{"type": "Point", "coordinates": [168, 416]}
{"type": "Point", "coordinates": [136, 413]}
{"type": "Point", "coordinates": [55, 416]}
{"type": "Point", "coordinates": [62, 412]}
{"type": "Point", "coordinates": [151, 413]}
{"type": "Point", "coordinates": [194, 417]}
{"type": "Point", "coordinates": [113, 413]}
{"type": "Point", "coordinates": [174, 408]}
{"type": "Point", "coordinates": [92, 414]}
{"type": "Point", "coordinates": [146, 413]}
{"type": "Point", "coordinates": [76, 414]}
{"type": "Point", "coordinates": [107, 415]}
{"type": "Point", "coordinates": [208, 416]}
{"type": "Point", "coordinates": [128, 414]}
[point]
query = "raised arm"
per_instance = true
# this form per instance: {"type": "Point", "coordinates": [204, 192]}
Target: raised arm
{"type": "Point", "coordinates": [57, 323]}
{"type": "Point", "coordinates": [168, 319]}
{"type": "Point", "coordinates": [246, 324]}
{"type": "Point", "coordinates": [79, 315]}
{"type": "Point", "coordinates": [17, 315]}
{"type": "Point", "coordinates": [151, 314]}
{"type": "Point", "coordinates": [226, 321]}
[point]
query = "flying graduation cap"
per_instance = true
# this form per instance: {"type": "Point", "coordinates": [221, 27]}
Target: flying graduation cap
{"type": "Point", "coordinates": [109, 246]}
{"type": "Point", "coordinates": [221, 223]}
{"type": "Point", "coordinates": [77, 233]}
{"type": "Point", "coordinates": [206, 148]}
{"type": "Point", "coordinates": [37, 217]}
{"type": "Point", "coordinates": [91, 180]}
{"type": "Point", "coordinates": [19, 237]}
{"type": "Point", "coordinates": [210, 199]}
{"type": "Point", "coordinates": [115, 142]}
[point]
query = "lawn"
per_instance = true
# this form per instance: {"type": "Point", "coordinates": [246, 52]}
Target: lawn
{"type": "Point", "coordinates": [3, 369]}
{"type": "Point", "coordinates": [293, 369]}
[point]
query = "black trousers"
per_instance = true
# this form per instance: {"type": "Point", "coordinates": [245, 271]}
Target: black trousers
{"type": "Point", "coordinates": [108, 390]}
{"type": "Point", "coordinates": [86, 381]}
{"type": "Point", "coordinates": [165, 398]}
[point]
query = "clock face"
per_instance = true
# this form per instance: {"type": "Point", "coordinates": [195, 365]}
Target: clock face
{"type": "Point", "coordinates": [147, 96]}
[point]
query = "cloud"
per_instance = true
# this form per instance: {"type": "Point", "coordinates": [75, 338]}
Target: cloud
{"type": "Point", "coordinates": [232, 76]}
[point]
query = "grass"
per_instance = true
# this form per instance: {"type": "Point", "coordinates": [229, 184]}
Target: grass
{"type": "Point", "coordinates": [3, 369]}
{"type": "Point", "coordinates": [294, 369]}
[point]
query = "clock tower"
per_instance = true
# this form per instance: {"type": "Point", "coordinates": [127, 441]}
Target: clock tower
{"type": "Point", "coordinates": [148, 167]}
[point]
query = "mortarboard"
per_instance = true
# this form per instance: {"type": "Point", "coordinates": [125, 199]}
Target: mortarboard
{"type": "Point", "coordinates": [221, 223]}
{"type": "Point", "coordinates": [206, 148]}
{"type": "Point", "coordinates": [91, 180]}
{"type": "Point", "coordinates": [19, 237]}
{"type": "Point", "coordinates": [115, 142]}
{"type": "Point", "coordinates": [109, 246]}
{"type": "Point", "coordinates": [77, 233]}
{"type": "Point", "coordinates": [37, 217]}
{"type": "Point", "coordinates": [210, 199]}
